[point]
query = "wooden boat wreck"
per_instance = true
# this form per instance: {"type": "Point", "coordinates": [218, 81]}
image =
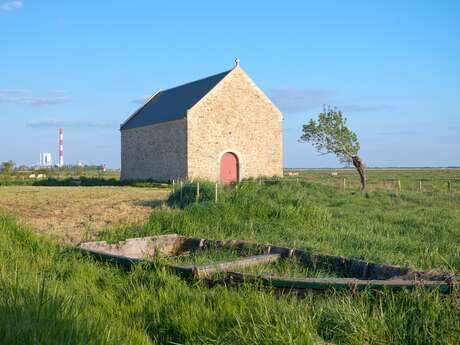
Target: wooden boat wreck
{"type": "Point", "coordinates": [351, 273]}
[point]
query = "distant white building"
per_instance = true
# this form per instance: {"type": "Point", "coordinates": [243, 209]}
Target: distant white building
{"type": "Point", "coordinates": [45, 159]}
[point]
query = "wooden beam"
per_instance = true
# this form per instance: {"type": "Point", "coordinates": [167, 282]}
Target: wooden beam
{"type": "Point", "coordinates": [121, 260]}
{"type": "Point", "coordinates": [200, 271]}
{"type": "Point", "coordinates": [338, 283]}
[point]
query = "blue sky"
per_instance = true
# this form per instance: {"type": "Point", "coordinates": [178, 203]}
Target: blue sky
{"type": "Point", "coordinates": [393, 67]}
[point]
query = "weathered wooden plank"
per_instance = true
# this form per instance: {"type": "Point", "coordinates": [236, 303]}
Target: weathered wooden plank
{"type": "Point", "coordinates": [138, 247]}
{"type": "Point", "coordinates": [192, 243]}
{"type": "Point", "coordinates": [338, 283]}
{"type": "Point", "coordinates": [361, 269]}
{"type": "Point", "coordinates": [200, 271]}
{"type": "Point", "coordinates": [383, 271]}
{"type": "Point", "coordinates": [283, 251]}
{"type": "Point", "coordinates": [121, 260]}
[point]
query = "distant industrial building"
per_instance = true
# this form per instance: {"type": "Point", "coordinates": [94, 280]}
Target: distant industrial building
{"type": "Point", "coordinates": [45, 159]}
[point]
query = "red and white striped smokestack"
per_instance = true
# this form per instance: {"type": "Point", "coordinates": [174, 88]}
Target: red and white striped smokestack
{"type": "Point", "coordinates": [61, 148]}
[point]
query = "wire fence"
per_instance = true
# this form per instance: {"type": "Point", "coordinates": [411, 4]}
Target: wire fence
{"type": "Point", "coordinates": [446, 189]}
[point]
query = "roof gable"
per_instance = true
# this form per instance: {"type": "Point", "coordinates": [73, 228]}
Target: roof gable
{"type": "Point", "coordinates": [239, 73]}
{"type": "Point", "coordinates": [172, 104]}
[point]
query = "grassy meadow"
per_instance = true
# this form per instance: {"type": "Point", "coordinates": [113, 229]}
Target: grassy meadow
{"type": "Point", "coordinates": [431, 181]}
{"type": "Point", "coordinates": [50, 294]}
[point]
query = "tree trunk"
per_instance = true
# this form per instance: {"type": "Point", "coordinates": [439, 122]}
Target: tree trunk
{"type": "Point", "coordinates": [360, 167]}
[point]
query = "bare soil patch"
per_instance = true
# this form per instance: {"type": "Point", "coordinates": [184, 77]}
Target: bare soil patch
{"type": "Point", "coordinates": [71, 214]}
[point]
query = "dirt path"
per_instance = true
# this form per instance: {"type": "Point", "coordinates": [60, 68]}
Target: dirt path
{"type": "Point", "coordinates": [71, 214]}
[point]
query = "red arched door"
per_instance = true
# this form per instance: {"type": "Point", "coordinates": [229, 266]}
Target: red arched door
{"type": "Point", "coordinates": [229, 168]}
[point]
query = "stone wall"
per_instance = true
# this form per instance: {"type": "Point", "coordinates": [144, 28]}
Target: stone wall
{"type": "Point", "coordinates": [235, 116]}
{"type": "Point", "coordinates": [156, 152]}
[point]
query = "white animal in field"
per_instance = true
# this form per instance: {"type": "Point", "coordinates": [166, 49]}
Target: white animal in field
{"type": "Point", "coordinates": [41, 176]}
{"type": "Point", "coordinates": [32, 176]}
{"type": "Point", "coordinates": [334, 173]}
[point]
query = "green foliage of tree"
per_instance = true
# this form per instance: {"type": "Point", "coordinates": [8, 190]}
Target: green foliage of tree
{"type": "Point", "coordinates": [8, 166]}
{"type": "Point", "coordinates": [330, 134]}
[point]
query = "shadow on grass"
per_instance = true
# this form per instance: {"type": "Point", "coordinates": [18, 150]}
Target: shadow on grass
{"type": "Point", "coordinates": [151, 203]}
{"type": "Point", "coordinates": [96, 181]}
{"type": "Point", "coordinates": [81, 181]}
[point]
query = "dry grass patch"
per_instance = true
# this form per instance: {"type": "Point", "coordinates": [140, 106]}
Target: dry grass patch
{"type": "Point", "coordinates": [71, 214]}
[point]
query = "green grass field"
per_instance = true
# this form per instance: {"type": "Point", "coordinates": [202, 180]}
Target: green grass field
{"type": "Point", "coordinates": [435, 180]}
{"type": "Point", "coordinates": [53, 295]}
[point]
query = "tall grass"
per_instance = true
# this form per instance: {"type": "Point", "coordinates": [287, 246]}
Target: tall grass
{"type": "Point", "coordinates": [410, 229]}
{"type": "Point", "coordinates": [52, 295]}
{"type": "Point", "coordinates": [49, 295]}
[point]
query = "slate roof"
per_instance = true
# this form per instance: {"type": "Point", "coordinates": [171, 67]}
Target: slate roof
{"type": "Point", "coordinates": [172, 104]}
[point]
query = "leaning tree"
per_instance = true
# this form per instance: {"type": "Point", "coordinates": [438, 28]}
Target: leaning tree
{"type": "Point", "coordinates": [329, 134]}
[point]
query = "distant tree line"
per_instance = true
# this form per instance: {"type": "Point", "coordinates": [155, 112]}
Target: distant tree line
{"type": "Point", "coordinates": [10, 167]}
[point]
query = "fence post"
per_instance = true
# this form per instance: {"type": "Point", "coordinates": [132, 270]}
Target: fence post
{"type": "Point", "coordinates": [197, 191]}
{"type": "Point", "coordinates": [180, 190]}
{"type": "Point", "coordinates": [344, 184]}
{"type": "Point", "coordinates": [173, 186]}
{"type": "Point", "coordinates": [449, 186]}
{"type": "Point", "coordinates": [398, 187]}
{"type": "Point", "coordinates": [420, 185]}
{"type": "Point", "coordinates": [216, 192]}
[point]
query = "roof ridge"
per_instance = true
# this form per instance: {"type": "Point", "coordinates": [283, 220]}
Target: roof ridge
{"type": "Point", "coordinates": [198, 80]}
